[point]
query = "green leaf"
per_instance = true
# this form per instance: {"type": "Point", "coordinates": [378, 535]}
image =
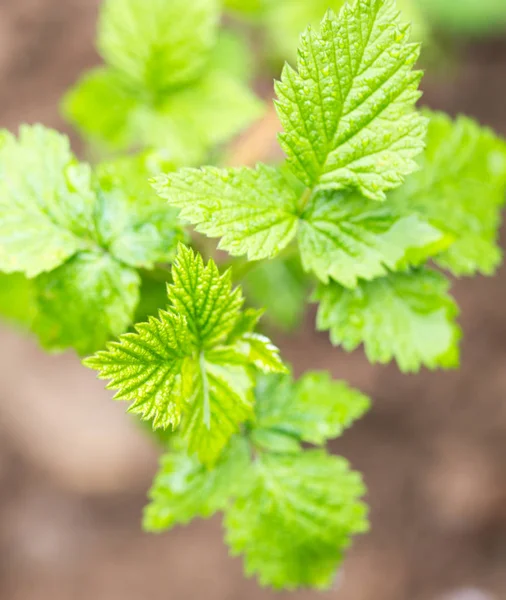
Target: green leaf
{"type": "Point", "coordinates": [253, 210]}
{"type": "Point", "coordinates": [190, 121]}
{"type": "Point", "coordinates": [204, 298]}
{"type": "Point", "coordinates": [222, 398]}
{"type": "Point", "coordinates": [17, 299]}
{"type": "Point", "coordinates": [293, 526]}
{"type": "Point", "coordinates": [85, 302]}
{"type": "Point", "coordinates": [135, 225]}
{"type": "Point", "coordinates": [314, 409]}
{"type": "Point", "coordinates": [184, 489]}
{"type": "Point", "coordinates": [100, 107]}
{"type": "Point", "coordinates": [150, 368]}
{"type": "Point", "coordinates": [155, 44]}
{"type": "Point", "coordinates": [408, 317]}
{"type": "Point", "coordinates": [348, 111]}
{"type": "Point", "coordinates": [191, 359]}
{"type": "Point", "coordinates": [346, 237]}
{"type": "Point", "coordinates": [460, 187]}
{"type": "Point", "coordinates": [46, 202]}
{"type": "Point", "coordinates": [168, 83]}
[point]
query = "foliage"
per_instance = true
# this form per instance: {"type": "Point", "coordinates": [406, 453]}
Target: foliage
{"type": "Point", "coordinates": [374, 194]}
{"type": "Point", "coordinates": [289, 511]}
{"type": "Point", "coordinates": [166, 82]}
{"type": "Point", "coordinates": [80, 236]}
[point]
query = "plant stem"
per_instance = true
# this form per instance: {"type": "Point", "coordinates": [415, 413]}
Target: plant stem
{"type": "Point", "coordinates": [304, 199]}
{"type": "Point", "coordinates": [205, 391]}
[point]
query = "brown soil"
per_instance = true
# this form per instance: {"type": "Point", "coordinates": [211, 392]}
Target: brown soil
{"type": "Point", "coordinates": [433, 449]}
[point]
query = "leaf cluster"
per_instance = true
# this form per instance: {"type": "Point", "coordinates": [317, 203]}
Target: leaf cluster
{"type": "Point", "coordinates": [290, 511]}
{"type": "Point", "coordinates": [73, 239]}
{"type": "Point", "coordinates": [372, 194]}
{"type": "Point", "coordinates": [170, 81]}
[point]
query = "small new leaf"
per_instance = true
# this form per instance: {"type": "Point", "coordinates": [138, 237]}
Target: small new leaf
{"type": "Point", "coordinates": [252, 210]}
{"type": "Point", "coordinates": [348, 111]}
{"type": "Point", "coordinates": [193, 362]}
{"type": "Point", "coordinates": [157, 45]}
{"type": "Point", "coordinates": [149, 368]}
{"type": "Point", "coordinates": [408, 317]}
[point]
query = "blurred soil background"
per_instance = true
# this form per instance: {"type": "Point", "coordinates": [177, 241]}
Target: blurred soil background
{"type": "Point", "coordinates": [74, 469]}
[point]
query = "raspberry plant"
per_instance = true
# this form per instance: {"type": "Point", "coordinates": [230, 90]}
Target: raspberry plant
{"type": "Point", "coordinates": [374, 202]}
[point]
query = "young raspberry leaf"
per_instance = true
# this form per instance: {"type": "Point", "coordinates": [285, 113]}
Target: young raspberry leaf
{"type": "Point", "coordinates": [460, 187]}
{"type": "Point", "coordinates": [136, 226]}
{"type": "Point", "coordinates": [165, 86]}
{"type": "Point", "coordinates": [313, 409]}
{"type": "Point", "coordinates": [408, 317]}
{"type": "Point", "coordinates": [297, 519]}
{"type": "Point", "coordinates": [204, 298]}
{"type": "Point", "coordinates": [157, 45]}
{"type": "Point", "coordinates": [100, 107]}
{"type": "Point", "coordinates": [191, 362]}
{"type": "Point", "coordinates": [347, 237]}
{"type": "Point", "coordinates": [46, 202]}
{"type": "Point", "coordinates": [252, 210]}
{"type": "Point", "coordinates": [189, 122]}
{"type": "Point", "coordinates": [184, 489]}
{"type": "Point", "coordinates": [85, 302]}
{"type": "Point", "coordinates": [348, 111]}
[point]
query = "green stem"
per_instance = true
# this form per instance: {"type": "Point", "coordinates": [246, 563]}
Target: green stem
{"type": "Point", "coordinates": [304, 199]}
{"type": "Point", "coordinates": [205, 391]}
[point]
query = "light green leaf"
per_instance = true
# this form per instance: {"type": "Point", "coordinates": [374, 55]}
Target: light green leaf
{"type": "Point", "coordinates": [100, 107]}
{"type": "Point", "coordinates": [46, 202]}
{"type": "Point", "coordinates": [348, 111]}
{"type": "Point", "coordinates": [295, 523]}
{"type": "Point", "coordinates": [157, 44]}
{"type": "Point", "coordinates": [85, 302]}
{"type": "Point", "coordinates": [150, 368]}
{"type": "Point", "coordinates": [205, 298]}
{"type": "Point", "coordinates": [460, 187]}
{"type": "Point", "coordinates": [253, 210]}
{"type": "Point", "coordinates": [408, 317]}
{"type": "Point", "coordinates": [347, 237]}
{"type": "Point", "coordinates": [313, 409]}
{"type": "Point", "coordinates": [17, 299]}
{"type": "Point", "coordinates": [189, 122]}
{"type": "Point", "coordinates": [221, 399]}
{"type": "Point", "coordinates": [191, 359]}
{"type": "Point", "coordinates": [184, 489]}
{"type": "Point", "coordinates": [261, 352]}
{"type": "Point", "coordinates": [135, 225]}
